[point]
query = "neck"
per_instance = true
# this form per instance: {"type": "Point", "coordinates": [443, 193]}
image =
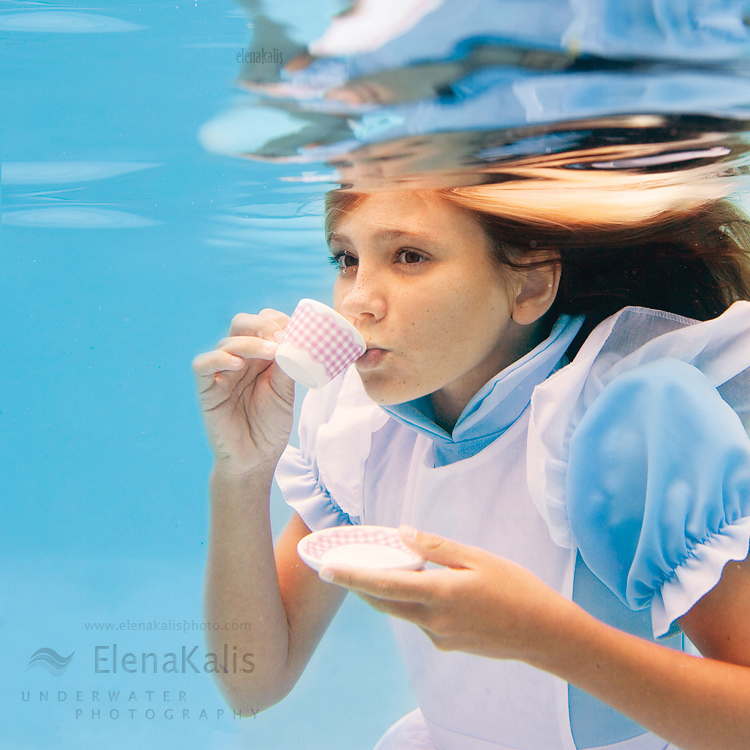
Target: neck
{"type": "Point", "coordinates": [449, 402]}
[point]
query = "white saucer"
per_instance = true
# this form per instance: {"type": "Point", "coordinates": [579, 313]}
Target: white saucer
{"type": "Point", "coordinates": [376, 547]}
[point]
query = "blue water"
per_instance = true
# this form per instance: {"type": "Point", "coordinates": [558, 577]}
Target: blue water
{"type": "Point", "coordinates": [132, 231]}
{"type": "Point", "coordinates": [126, 250]}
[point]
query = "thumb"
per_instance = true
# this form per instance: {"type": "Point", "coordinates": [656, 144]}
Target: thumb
{"type": "Point", "coordinates": [436, 548]}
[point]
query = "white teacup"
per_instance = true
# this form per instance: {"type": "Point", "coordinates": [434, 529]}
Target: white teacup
{"type": "Point", "coordinates": [318, 344]}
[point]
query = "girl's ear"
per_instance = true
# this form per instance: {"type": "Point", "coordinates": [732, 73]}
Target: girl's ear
{"type": "Point", "coordinates": [536, 288]}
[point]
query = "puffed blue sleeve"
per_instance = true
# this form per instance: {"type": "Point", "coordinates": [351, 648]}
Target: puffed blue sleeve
{"type": "Point", "coordinates": [658, 488]}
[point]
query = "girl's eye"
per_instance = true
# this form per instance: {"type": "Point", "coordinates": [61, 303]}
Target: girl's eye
{"type": "Point", "coordinates": [342, 261]}
{"type": "Point", "coordinates": [410, 257]}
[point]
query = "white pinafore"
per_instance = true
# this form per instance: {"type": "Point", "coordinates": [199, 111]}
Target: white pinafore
{"type": "Point", "coordinates": [507, 704]}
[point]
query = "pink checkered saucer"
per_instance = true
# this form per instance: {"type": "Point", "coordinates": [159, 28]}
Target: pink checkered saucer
{"type": "Point", "coordinates": [357, 546]}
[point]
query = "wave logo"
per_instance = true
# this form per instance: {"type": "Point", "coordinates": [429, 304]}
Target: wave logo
{"type": "Point", "coordinates": [50, 660]}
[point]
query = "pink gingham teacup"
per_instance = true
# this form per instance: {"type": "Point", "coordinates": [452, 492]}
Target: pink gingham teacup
{"type": "Point", "coordinates": [318, 344]}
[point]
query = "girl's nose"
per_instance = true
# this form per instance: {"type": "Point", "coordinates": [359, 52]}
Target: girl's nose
{"type": "Point", "coordinates": [364, 299]}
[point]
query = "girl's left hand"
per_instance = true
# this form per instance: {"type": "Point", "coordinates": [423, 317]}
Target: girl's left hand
{"type": "Point", "coordinates": [479, 603]}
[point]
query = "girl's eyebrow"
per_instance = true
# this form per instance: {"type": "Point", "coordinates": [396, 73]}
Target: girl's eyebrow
{"type": "Point", "coordinates": [338, 237]}
{"type": "Point", "coordinates": [383, 235]}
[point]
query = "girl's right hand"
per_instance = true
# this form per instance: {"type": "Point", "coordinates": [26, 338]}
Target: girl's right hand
{"type": "Point", "coordinates": [245, 398]}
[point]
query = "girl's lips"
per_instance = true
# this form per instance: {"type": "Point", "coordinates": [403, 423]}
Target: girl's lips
{"type": "Point", "coordinates": [371, 359]}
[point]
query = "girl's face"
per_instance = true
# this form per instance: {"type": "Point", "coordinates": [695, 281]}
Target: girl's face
{"type": "Point", "coordinates": [415, 278]}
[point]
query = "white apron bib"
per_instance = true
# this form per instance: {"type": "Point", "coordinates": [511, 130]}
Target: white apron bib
{"type": "Point", "coordinates": [469, 702]}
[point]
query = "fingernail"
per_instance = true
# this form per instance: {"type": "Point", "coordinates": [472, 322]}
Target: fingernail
{"type": "Point", "coordinates": [278, 335]}
{"type": "Point", "coordinates": [407, 532]}
{"type": "Point", "coordinates": [326, 574]}
{"type": "Point", "coordinates": [269, 348]}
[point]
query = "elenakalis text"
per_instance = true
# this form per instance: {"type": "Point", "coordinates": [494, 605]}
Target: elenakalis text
{"type": "Point", "coordinates": [107, 661]}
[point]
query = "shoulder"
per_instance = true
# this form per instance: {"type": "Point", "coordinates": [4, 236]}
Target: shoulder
{"type": "Point", "coordinates": [323, 478]}
{"type": "Point", "coordinates": [658, 475]}
{"type": "Point", "coordinates": [667, 406]}
{"type": "Point", "coordinates": [617, 356]}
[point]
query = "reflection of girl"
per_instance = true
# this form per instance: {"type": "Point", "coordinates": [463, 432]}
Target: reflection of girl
{"type": "Point", "coordinates": [574, 527]}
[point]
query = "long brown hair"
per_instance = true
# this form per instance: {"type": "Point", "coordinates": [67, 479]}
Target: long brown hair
{"type": "Point", "coordinates": [693, 262]}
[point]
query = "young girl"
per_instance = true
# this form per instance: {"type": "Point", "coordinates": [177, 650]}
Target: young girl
{"type": "Point", "coordinates": [555, 410]}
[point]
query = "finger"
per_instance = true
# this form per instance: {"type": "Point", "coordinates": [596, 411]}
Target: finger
{"type": "Point", "coordinates": [208, 364]}
{"type": "Point", "coordinates": [248, 347]}
{"type": "Point", "coordinates": [438, 549]}
{"type": "Point", "coordinates": [397, 585]}
{"type": "Point", "coordinates": [254, 325]}
{"type": "Point", "coordinates": [268, 324]}
{"type": "Point", "coordinates": [207, 368]}
{"type": "Point", "coordinates": [415, 612]}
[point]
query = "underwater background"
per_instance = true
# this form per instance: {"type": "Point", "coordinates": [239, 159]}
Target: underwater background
{"type": "Point", "coordinates": [163, 168]}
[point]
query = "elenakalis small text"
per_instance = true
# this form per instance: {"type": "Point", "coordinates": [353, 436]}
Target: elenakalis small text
{"type": "Point", "coordinates": [262, 56]}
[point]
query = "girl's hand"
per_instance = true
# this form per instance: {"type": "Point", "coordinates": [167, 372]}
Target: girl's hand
{"type": "Point", "coordinates": [246, 400]}
{"type": "Point", "coordinates": [480, 603]}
